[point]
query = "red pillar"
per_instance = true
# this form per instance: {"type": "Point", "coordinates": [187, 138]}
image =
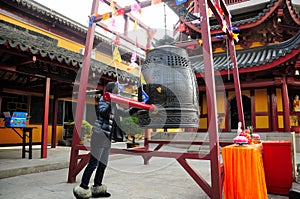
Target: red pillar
{"type": "Point", "coordinates": [82, 95]}
{"type": "Point", "coordinates": [54, 122]}
{"type": "Point", "coordinates": [0, 101]}
{"type": "Point", "coordinates": [274, 116]}
{"type": "Point", "coordinates": [46, 119]}
{"type": "Point", "coordinates": [286, 107]}
{"type": "Point", "coordinates": [216, 182]}
{"type": "Point", "coordinates": [1, 89]}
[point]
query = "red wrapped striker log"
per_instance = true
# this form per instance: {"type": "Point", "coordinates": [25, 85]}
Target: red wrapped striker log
{"type": "Point", "coordinates": [123, 100]}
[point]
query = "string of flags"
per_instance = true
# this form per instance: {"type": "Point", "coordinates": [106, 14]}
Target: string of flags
{"type": "Point", "coordinates": [233, 31]}
{"type": "Point", "coordinates": [136, 7]}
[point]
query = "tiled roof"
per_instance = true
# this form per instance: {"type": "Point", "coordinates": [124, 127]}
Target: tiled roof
{"type": "Point", "coordinates": [250, 58]}
{"type": "Point", "coordinates": [294, 11]}
{"type": "Point", "coordinates": [34, 8]}
{"type": "Point", "coordinates": [43, 46]}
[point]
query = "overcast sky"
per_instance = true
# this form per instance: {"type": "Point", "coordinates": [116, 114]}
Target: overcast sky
{"type": "Point", "coordinates": [79, 10]}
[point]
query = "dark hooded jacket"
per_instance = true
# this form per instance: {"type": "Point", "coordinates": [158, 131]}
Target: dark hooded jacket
{"type": "Point", "coordinates": [107, 111]}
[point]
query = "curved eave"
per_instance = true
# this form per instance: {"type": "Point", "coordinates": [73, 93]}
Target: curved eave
{"type": "Point", "coordinates": [242, 24]}
{"type": "Point", "coordinates": [252, 60]}
{"type": "Point", "coordinates": [96, 66]}
{"type": "Point", "coordinates": [293, 12]}
{"type": "Point", "coordinates": [35, 7]}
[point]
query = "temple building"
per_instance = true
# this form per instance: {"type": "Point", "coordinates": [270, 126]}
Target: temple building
{"type": "Point", "coordinates": [267, 53]}
{"type": "Point", "coordinates": [41, 55]}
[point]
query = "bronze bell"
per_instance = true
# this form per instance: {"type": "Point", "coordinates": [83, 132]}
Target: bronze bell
{"type": "Point", "coordinates": [171, 86]}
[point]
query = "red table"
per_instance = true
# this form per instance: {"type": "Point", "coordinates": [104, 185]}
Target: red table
{"type": "Point", "coordinates": [23, 135]}
{"type": "Point", "coordinates": [277, 157]}
{"type": "Point", "coordinates": [244, 176]}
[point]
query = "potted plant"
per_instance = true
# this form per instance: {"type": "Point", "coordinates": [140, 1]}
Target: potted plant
{"type": "Point", "coordinates": [86, 131]}
{"type": "Point", "coordinates": [130, 126]}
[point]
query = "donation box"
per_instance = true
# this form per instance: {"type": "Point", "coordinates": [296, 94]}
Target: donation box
{"type": "Point", "coordinates": [18, 119]}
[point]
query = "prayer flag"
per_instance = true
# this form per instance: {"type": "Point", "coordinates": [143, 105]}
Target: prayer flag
{"type": "Point", "coordinates": [178, 2]}
{"type": "Point", "coordinates": [150, 34]}
{"type": "Point", "coordinates": [181, 27]}
{"type": "Point", "coordinates": [136, 7]}
{"type": "Point", "coordinates": [117, 40]}
{"type": "Point", "coordinates": [235, 36]}
{"type": "Point", "coordinates": [153, 2]}
{"type": "Point", "coordinates": [145, 97]}
{"type": "Point", "coordinates": [235, 29]}
{"type": "Point", "coordinates": [133, 56]}
{"type": "Point", "coordinates": [196, 21]}
{"type": "Point", "coordinates": [91, 21]}
{"type": "Point", "coordinates": [136, 42]}
{"type": "Point", "coordinates": [209, 12]}
{"type": "Point", "coordinates": [132, 66]}
{"type": "Point", "coordinates": [112, 24]}
{"type": "Point", "coordinates": [116, 55]}
{"type": "Point", "coordinates": [105, 16]}
{"type": "Point", "coordinates": [224, 26]}
{"type": "Point", "coordinates": [122, 88]}
{"type": "Point", "coordinates": [117, 83]}
{"type": "Point", "coordinates": [219, 9]}
{"type": "Point", "coordinates": [148, 47]}
{"type": "Point", "coordinates": [113, 8]}
{"type": "Point", "coordinates": [219, 36]}
{"type": "Point", "coordinates": [135, 25]}
{"type": "Point", "coordinates": [121, 11]}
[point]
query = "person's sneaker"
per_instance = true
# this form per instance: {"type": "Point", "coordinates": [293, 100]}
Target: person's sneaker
{"type": "Point", "coordinates": [99, 191]}
{"type": "Point", "coordinates": [81, 193]}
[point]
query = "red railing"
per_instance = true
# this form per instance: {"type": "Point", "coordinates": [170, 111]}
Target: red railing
{"type": "Point", "coordinates": [230, 2]}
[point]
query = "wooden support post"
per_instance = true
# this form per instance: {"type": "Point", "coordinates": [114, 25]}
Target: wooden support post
{"type": "Point", "coordinates": [84, 75]}
{"type": "Point", "coordinates": [236, 79]}
{"type": "Point", "coordinates": [147, 138]}
{"type": "Point", "coordinates": [216, 183]}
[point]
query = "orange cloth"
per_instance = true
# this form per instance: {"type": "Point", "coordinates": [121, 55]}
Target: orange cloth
{"type": "Point", "coordinates": [244, 176]}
